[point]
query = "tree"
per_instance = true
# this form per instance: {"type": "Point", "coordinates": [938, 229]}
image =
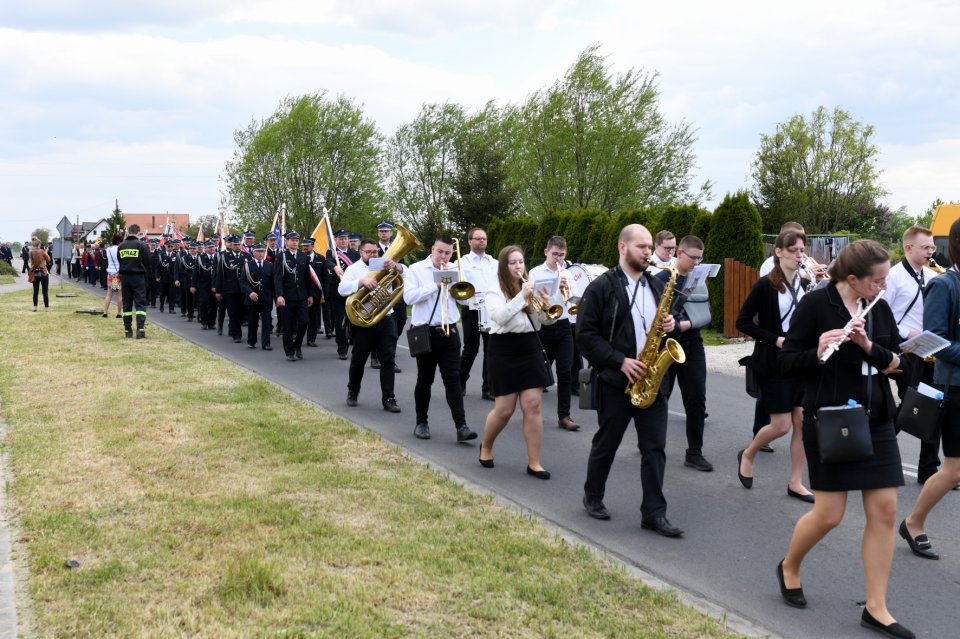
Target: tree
{"type": "Point", "coordinates": [421, 159]}
{"type": "Point", "coordinates": [42, 234]}
{"type": "Point", "coordinates": [821, 172]}
{"type": "Point", "coordinates": [735, 232]}
{"type": "Point", "coordinates": [679, 219]}
{"type": "Point", "coordinates": [701, 225]}
{"type": "Point", "coordinates": [116, 223]}
{"type": "Point", "coordinates": [208, 223]}
{"type": "Point", "coordinates": [311, 153]}
{"type": "Point", "coordinates": [597, 141]}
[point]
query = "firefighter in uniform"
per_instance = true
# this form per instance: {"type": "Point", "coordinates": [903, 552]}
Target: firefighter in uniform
{"type": "Point", "coordinates": [134, 257]}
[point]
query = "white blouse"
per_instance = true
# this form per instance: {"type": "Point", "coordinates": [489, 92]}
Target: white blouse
{"type": "Point", "coordinates": [508, 317]}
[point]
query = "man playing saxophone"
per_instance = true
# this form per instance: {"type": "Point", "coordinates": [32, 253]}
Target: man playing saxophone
{"type": "Point", "coordinates": [617, 311]}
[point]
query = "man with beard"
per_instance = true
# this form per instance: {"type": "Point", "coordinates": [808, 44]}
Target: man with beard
{"type": "Point", "coordinates": [622, 303]}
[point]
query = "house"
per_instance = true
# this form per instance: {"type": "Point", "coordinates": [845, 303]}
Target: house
{"type": "Point", "coordinates": [152, 224]}
{"type": "Point", "coordinates": [88, 232]}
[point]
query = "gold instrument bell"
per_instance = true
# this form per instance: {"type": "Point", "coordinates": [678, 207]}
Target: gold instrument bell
{"type": "Point", "coordinates": [462, 289]}
{"type": "Point", "coordinates": [554, 311]}
{"type": "Point", "coordinates": [367, 308]}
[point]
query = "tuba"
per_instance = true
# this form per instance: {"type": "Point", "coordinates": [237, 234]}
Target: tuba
{"type": "Point", "coordinates": [366, 308]}
{"type": "Point", "coordinates": [643, 392]}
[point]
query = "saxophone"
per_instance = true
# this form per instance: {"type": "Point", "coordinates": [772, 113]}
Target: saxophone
{"type": "Point", "coordinates": [643, 392]}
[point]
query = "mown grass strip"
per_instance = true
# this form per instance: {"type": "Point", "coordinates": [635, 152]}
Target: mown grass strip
{"type": "Point", "coordinates": [200, 500]}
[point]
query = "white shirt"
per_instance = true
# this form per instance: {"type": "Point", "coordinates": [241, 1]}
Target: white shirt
{"type": "Point", "coordinates": [901, 289]}
{"type": "Point", "coordinates": [350, 283]}
{"type": "Point", "coordinates": [481, 271]}
{"type": "Point", "coordinates": [543, 272]}
{"type": "Point", "coordinates": [420, 291]}
{"type": "Point", "coordinates": [656, 261]}
{"type": "Point", "coordinates": [644, 309]}
{"type": "Point", "coordinates": [508, 317]}
{"type": "Point", "coordinates": [113, 261]}
{"type": "Point", "coordinates": [785, 299]}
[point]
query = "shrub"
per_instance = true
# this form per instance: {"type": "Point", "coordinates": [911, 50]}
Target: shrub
{"type": "Point", "coordinates": [701, 226]}
{"type": "Point", "coordinates": [678, 219]}
{"type": "Point", "coordinates": [7, 269]}
{"type": "Point", "coordinates": [647, 217]}
{"type": "Point", "coordinates": [549, 224]}
{"type": "Point", "coordinates": [735, 232]}
{"type": "Point", "coordinates": [578, 229]}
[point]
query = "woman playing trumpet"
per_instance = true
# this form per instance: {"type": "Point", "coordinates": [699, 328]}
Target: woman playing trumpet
{"type": "Point", "coordinates": [515, 358]}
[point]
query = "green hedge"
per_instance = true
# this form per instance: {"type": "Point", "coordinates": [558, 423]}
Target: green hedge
{"type": "Point", "coordinates": [735, 231]}
{"type": "Point", "coordinates": [678, 219]}
{"type": "Point", "coordinates": [6, 269]}
{"type": "Point", "coordinates": [646, 217]}
{"type": "Point", "coordinates": [701, 226]}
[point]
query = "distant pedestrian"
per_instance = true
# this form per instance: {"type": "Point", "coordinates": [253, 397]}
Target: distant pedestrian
{"type": "Point", "coordinates": [113, 276]}
{"type": "Point", "coordinates": [39, 265]}
{"type": "Point", "coordinates": [133, 257]}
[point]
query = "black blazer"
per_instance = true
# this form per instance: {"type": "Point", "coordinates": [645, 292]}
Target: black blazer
{"type": "Point", "coordinates": [763, 302]}
{"type": "Point", "coordinates": [290, 278]}
{"type": "Point", "coordinates": [821, 311]}
{"type": "Point", "coordinates": [257, 280]}
{"type": "Point", "coordinates": [605, 307]}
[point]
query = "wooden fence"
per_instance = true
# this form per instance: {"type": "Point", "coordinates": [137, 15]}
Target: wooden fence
{"type": "Point", "coordinates": [737, 280]}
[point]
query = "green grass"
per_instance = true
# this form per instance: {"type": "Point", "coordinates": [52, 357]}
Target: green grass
{"type": "Point", "coordinates": [202, 501]}
{"type": "Point", "coordinates": [7, 279]}
{"type": "Point", "coordinates": [713, 337]}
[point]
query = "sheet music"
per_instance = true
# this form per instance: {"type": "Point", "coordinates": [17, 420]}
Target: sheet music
{"type": "Point", "coordinates": [698, 277]}
{"type": "Point", "coordinates": [449, 276]}
{"type": "Point", "coordinates": [714, 269]}
{"type": "Point", "coordinates": [376, 263]}
{"type": "Point", "coordinates": [924, 344]}
{"type": "Point", "coordinates": [548, 286]}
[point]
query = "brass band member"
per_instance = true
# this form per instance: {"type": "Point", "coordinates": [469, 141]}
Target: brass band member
{"type": "Point", "coordinates": [381, 337]}
{"type": "Point", "coordinates": [773, 301]}
{"type": "Point", "coordinates": [623, 303]}
{"type": "Point", "coordinates": [484, 269]}
{"type": "Point", "coordinates": [424, 294]}
{"type": "Point", "coordinates": [557, 338]}
{"type": "Point", "coordinates": [855, 371]}
{"type": "Point", "coordinates": [515, 359]}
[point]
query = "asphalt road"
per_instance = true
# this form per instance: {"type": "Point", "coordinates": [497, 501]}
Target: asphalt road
{"type": "Point", "coordinates": [733, 537]}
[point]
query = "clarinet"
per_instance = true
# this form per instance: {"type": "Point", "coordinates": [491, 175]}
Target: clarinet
{"type": "Point", "coordinates": [833, 347]}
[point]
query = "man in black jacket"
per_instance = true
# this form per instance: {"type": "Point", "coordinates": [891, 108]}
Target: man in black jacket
{"type": "Point", "coordinates": [611, 341]}
{"type": "Point", "coordinates": [166, 269]}
{"type": "Point", "coordinates": [295, 293]}
{"type": "Point", "coordinates": [338, 260]}
{"type": "Point", "coordinates": [202, 286]}
{"type": "Point", "coordinates": [226, 284]}
{"type": "Point", "coordinates": [257, 287]}
{"type": "Point", "coordinates": [133, 256]}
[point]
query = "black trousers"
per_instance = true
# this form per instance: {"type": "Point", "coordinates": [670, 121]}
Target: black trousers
{"type": "Point", "coordinates": [471, 347]}
{"type": "Point", "coordinates": [445, 354]}
{"type": "Point", "coordinates": [236, 313]}
{"type": "Point", "coordinates": [221, 311]}
{"type": "Point", "coordinates": [294, 314]}
{"type": "Point", "coordinates": [327, 319]}
{"type": "Point", "coordinates": [133, 289]}
{"type": "Point", "coordinates": [614, 416]}
{"type": "Point", "coordinates": [399, 316]}
{"type": "Point", "coordinates": [557, 341]}
{"type": "Point", "coordinates": [380, 339]}
{"type": "Point", "coordinates": [692, 376]}
{"type": "Point", "coordinates": [338, 314]}
{"type": "Point", "coordinates": [915, 370]}
{"type": "Point", "coordinates": [577, 365]}
{"type": "Point", "coordinates": [259, 314]}
{"type": "Point", "coordinates": [168, 293]}
{"type": "Point", "coordinates": [153, 290]}
{"type": "Point", "coordinates": [313, 320]}
{"type": "Point", "coordinates": [187, 300]}
{"type": "Point", "coordinates": [44, 283]}
{"type": "Point", "coordinates": [206, 306]}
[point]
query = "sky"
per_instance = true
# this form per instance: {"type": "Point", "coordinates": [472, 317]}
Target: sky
{"type": "Point", "coordinates": [137, 101]}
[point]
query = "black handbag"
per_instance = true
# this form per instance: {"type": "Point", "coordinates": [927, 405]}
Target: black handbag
{"type": "Point", "coordinates": [589, 389]}
{"type": "Point", "coordinates": [920, 415]}
{"type": "Point", "coordinates": [546, 360]}
{"type": "Point", "coordinates": [418, 337]}
{"type": "Point", "coordinates": [751, 378]}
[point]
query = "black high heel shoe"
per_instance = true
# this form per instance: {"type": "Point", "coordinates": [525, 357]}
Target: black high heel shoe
{"type": "Point", "coordinates": [486, 463]}
{"type": "Point", "coordinates": [791, 596]}
{"type": "Point", "coordinates": [746, 481]}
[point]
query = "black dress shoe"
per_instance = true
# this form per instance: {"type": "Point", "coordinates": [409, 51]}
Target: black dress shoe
{"type": "Point", "coordinates": [299, 354]}
{"type": "Point", "coordinates": [329, 336]}
{"type": "Point", "coordinates": [251, 345]}
{"type": "Point", "coordinates": [894, 630]}
{"type": "Point", "coordinates": [807, 498]}
{"type": "Point", "coordinates": [595, 508]}
{"type": "Point", "coordinates": [746, 481]}
{"type": "Point", "coordinates": [661, 525]}
{"type": "Point", "coordinates": [312, 344]}
{"type": "Point", "coordinates": [486, 463]}
{"type": "Point", "coordinates": [396, 369]}
{"type": "Point", "coordinates": [267, 347]}
{"type": "Point", "coordinates": [464, 433]}
{"type": "Point", "coordinates": [920, 545]}
{"type": "Point", "coordinates": [487, 396]}
{"type": "Point", "coordinates": [342, 355]}
{"type": "Point", "coordinates": [390, 405]}
{"type": "Point", "coordinates": [422, 431]}
{"type": "Point", "coordinates": [237, 340]}
{"type": "Point", "coordinates": [351, 398]}
{"type": "Point", "coordinates": [698, 462]}
{"type": "Point", "coordinates": [791, 596]}
{"type": "Point", "coordinates": [375, 364]}
{"type": "Point", "coordinates": [539, 474]}
{"type": "Point", "coordinates": [291, 358]}
{"type": "Point", "coordinates": [766, 449]}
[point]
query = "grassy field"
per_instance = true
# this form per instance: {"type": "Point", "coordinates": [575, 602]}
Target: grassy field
{"type": "Point", "coordinates": [202, 501]}
{"type": "Point", "coordinates": [7, 279]}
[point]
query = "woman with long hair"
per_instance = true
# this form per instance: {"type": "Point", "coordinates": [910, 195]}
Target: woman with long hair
{"type": "Point", "coordinates": [857, 371]}
{"type": "Point", "coordinates": [773, 301]}
{"type": "Point", "coordinates": [941, 315]}
{"type": "Point", "coordinates": [515, 362]}
{"type": "Point", "coordinates": [40, 272]}
{"type": "Point", "coordinates": [113, 276]}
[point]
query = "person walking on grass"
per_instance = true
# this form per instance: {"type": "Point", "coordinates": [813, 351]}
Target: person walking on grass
{"type": "Point", "coordinates": [113, 276]}
{"type": "Point", "coordinates": [133, 255]}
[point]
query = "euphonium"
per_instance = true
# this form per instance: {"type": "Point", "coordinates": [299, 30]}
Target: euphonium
{"type": "Point", "coordinates": [936, 267]}
{"type": "Point", "coordinates": [366, 308]}
{"type": "Point", "coordinates": [643, 392]}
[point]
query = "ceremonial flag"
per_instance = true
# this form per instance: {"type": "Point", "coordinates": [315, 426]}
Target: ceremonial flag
{"type": "Point", "coordinates": [166, 232]}
{"type": "Point", "coordinates": [200, 236]}
{"type": "Point", "coordinates": [283, 226]}
{"type": "Point", "coordinates": [323, 235]}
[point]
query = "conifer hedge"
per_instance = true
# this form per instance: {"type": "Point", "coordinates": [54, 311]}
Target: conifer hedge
{"type": "Point", "coordinates": [735, 231]}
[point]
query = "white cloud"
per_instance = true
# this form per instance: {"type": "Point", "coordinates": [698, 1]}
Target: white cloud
{"type": "Point", "coordinates": [916, 175]}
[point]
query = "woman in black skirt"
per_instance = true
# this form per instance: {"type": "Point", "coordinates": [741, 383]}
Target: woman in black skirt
{"type": "Point", "coordinates": [941, 315]}
{"type": "Point", "coordinates": [773, 302]}
{"type": "Point", "coordinates": [515, 360]}
{"type": "Point", "coordinates": [857, 371]}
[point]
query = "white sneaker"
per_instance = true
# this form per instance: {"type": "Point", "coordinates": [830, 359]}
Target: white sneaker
{"type": "Point", "coordinates": [34, 309]}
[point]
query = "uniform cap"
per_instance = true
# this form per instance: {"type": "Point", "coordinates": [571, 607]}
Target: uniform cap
{"type": "Point", "coordinates": [249, 233]}
{"type": "Point", "coordinates": [342, 233]}
{"type": "Point", "coordinates": [259, 247]}
{"type": "Point", "coordinates": [355, 236]}
{"type": "Point", "coordinates": [292, 235]}
{"type": "Point", "coordinates": [308, 241]}
{"type": "Point", "coordinates": [385, 226]}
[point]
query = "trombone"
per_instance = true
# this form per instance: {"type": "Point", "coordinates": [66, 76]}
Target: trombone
{"type": "Point", "coordinates": [462, 289]}
{"type": "Point", "coordinates": [553, 311]}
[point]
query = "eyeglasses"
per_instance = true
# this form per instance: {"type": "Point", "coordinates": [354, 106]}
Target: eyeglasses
{"type": "Point", "coordinates": [557, 254]}
{"type": "Point", "coordinates": [668, 248]}
{"type": "Point", "coordinates": [695, 258]}
{"type": "Point", "coordinates": [478, 239]}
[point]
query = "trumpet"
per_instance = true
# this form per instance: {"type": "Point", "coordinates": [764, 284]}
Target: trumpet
{"type": "Point", "coordinates": [553, 311]}
{"type": "Point", "coordinates": [568, 298]}
{"type": "Point", "coordinates": [814, 283]}
{"type": "Point", "coordinates": [833, 347]}
{"type": "Point", "coordinates": [936, 267]}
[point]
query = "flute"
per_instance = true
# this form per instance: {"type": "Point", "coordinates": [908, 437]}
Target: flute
{"type": "Point", "coordinates": [833, 347]}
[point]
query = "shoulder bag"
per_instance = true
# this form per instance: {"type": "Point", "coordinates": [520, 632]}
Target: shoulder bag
{"type": "Point", "coordinates": [418, 337]}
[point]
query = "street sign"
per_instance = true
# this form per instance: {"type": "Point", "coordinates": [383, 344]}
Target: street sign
{"type": "Point", "coordinates": [65, 227]}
